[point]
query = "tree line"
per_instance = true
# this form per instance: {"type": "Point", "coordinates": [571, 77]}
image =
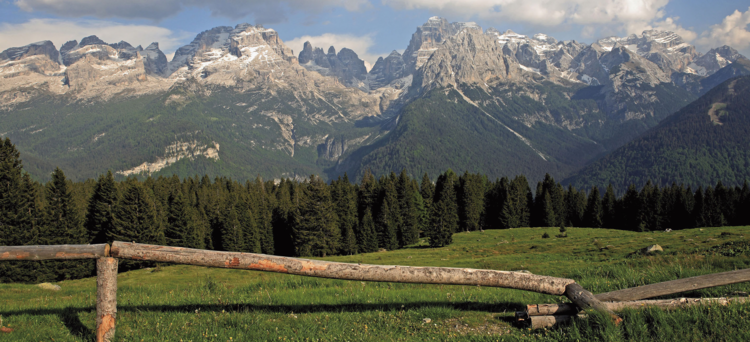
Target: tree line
{"type": "Point", "coordinates": [315, 218]}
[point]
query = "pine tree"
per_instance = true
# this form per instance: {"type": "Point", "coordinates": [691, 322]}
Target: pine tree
{"type": "Point", "coordinates": [713, 217]}
{"type": "Point", "coordinates": [743, 209]}
{"type": "Point", "coordinates": [631, 208]}
{"type": "Point", "coordinates": [388, 220]}
{"type": "Point", "coordinates": [316, 230]}
{"type": "Point", "coordinates": [594, 212]}
{"type": "Point", "coordinates": [439, 233]}
{"type": "Point", "coordinates": [344, 196]}
{"type": "Point", "coordinates": [445, 191]}
{"type": "Point", "coordinates": [410, 216]}
{"type": "Point", "coordinates": [516, 210]}
{"type": "Point", "coordinates": [367, 238]}
{"type": "Point", "coordinates": [471, 201]}
{"type": "Point", "coordinates": [180, 228]}
{"type": "Point", "coordinates": [99, 218]}
{"type": "Point", "coordinates": [63, 226]}
{"type": "Point", "coordinates": [19, 223]}
{"type": "Point", "coordinates": [62, 223]}
{"type": "Point", "coordinates": [547, 210]}
{"type": "Point", "coordinates": [283, 221]}
{"type": "Point", "coordinates": [232, 232]}
{"type": "Point", "coordinates": [135, 216]}
{"type": "Point", "coordinates": [609, 216]}
{"type": "Point", "coordinates": [427, 190]}
{"type": "Point", "coordinates": [699, 209]}
{"type": "Point", "coordinates": [264, 215]}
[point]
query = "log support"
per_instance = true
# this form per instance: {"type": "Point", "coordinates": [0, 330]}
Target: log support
{"type": "Point", "coordinates": [585, 301]}
{"type": "Point", "coordinates": [106, 298]}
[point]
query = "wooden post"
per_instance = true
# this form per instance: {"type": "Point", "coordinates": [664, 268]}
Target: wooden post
{"type": "Point", "coordinates": [106, 298]}
{"type": "Point", "coordinates": [338, 270]}
{"type": "Point", "coordinates": [54, 252]}
{"type": "Point", "coordinates": [585, 300]}
{"type": "Point", "coordinates": [676, 286]}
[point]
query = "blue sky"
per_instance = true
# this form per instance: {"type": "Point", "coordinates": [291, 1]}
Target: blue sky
{"type": "Point", "coordinates": [369, 27]}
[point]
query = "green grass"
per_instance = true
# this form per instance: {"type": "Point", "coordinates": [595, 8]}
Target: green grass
{"type": "Point", "coordinates": [185, 303]}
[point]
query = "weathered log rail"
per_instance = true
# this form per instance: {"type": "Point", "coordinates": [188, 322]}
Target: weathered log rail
{"type": "Point", "coordinates": [582, 299]}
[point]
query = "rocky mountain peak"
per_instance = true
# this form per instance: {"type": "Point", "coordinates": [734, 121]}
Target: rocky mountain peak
{"type": "Point", "coordinates": [92, 40]}
{"type": "Point", "coordinates": [714, 60]}
{"type": "Point", "coordinates": [346, 66]}
{"type": "Point", "coordinates": [43, 48]}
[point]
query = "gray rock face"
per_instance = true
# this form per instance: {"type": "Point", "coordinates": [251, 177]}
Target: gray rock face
{"type": "Point", "coordinates": [91, 40]}
{"type": "Point", "coordinates": [44, 48]}
{"type": "Point", "coordinates": [387, 70]}
{"type": "Point", "coordinates": [125, 50]}
{"type": "Point", "coordinates": [155, 61]}
{"type": "Point", "coordinates": [714, 60]}
{"type": "Point", "coordinates": [345, 66]}
{"type": "Point", "coordinates": [429, 37]}
{"type": "Point", "coordinates": [333, 148]}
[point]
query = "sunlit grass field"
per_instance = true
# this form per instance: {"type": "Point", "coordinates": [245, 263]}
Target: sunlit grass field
{"type": "Point", "coordinates": [187, 303]}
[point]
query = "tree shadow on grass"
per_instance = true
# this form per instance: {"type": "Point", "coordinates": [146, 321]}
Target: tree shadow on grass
{"type": "Point", "coordinates": [71, 320]}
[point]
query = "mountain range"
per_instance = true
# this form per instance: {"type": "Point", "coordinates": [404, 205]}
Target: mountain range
{"type": "Point", "coordinates": [238, 102]}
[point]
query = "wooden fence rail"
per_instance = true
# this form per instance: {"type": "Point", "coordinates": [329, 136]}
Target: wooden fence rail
{"type": "Point", "coordinates": [107, 274]}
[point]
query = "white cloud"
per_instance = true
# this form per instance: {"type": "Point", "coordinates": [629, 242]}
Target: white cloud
{"type": "Point", "coordinates": [732, 31]}
{"type": "Point", "coordinates": [359, 44]}
{"type": "Point", "coordinates": [61, 31]}
{"type": "Point", "coordinates": [545, 13]}
{"type": "Point", "coordinates": [264, 11]}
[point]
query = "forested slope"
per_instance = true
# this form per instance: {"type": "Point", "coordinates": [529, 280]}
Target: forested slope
{"type": "Point", "coordinates": [704, 142]}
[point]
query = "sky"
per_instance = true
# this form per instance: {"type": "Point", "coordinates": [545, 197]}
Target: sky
{"type": "Point", "coordinates": [371, 28]}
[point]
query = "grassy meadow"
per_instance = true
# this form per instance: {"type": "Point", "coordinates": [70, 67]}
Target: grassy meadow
{"type": "Point", "coordinates": [187, 303]}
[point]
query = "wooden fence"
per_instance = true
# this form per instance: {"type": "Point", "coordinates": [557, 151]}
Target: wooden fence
{"type": "Point", "coordinates": [538, 315]}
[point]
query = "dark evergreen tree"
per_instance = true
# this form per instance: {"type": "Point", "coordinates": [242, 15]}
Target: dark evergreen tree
{"type": "Point", "coordinates": [446, 192]}
{"type": "Point", "coordinates": [263, 214]}
{"type": "Point", "coordinates": [631, 207]}
{"type": "Point", "coordinates": [182, 223]}
{"type": "Point", "coordinates": [100, 217]}
{"type": "Point", "coordinates": [367, 238]}
{"type": "Point", "coordinates": [713, 216]}
{"type": "Point", "coordinates": [593, 217]}
{"type": "Point", "coordinates": [388, 218]}
{"type": "Point", "coordinates": [410, 216]}
{"type": "Point", "coordinates": [427, 190]}
{"type": "Point", "coordinates": [471, 201]}
{"type": "Point", "coordinates": [609, 202]}
{"type": "Point", "coordinates": [699, 209]}
{"type": "Point", "coordinates": [344, 196]}
{"type": "Point", "coordinates": [439, 233]}
{"type": "Point", "coordinates": [316, 231]}
{"type": "Point", "coordinates": [135, 216]}
{"type": "Point", "coordinates": [547, 210]}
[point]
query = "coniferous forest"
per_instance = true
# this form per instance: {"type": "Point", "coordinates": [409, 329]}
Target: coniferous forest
{"type": "Point", "coordinates": [314, 218]}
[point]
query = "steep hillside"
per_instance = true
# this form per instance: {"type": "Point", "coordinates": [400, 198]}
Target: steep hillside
{"type": "Point", "coordinates": [703, 143]}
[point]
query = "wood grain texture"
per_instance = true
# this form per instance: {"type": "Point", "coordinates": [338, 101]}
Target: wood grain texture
{"type": "Point", "coordinates": [106, 299]}
{"type": "Point", "coordinates": [676, 286]}
{"type": "Point", "coordinates": [337, 270]}
{"type": "Point", "coordinates": [54, 252]}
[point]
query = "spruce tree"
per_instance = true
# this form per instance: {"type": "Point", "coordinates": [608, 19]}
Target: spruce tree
{"type": "Point", "coordinates": [439, 233]}
{"type": "Point", "coordinates": [427, 190]}
{"type": "Point", "coordinates": [471, 201]}
{"type": "Point", "coordinates": [411, 216]}
{"type": "Point", "coordinates": [232, 232]}
{"type": "Point", "coordinates": [263, 214]}
{"type": "Point", "coordinates": [19, 218]}
{"type": "Point", "coordinates": [62, 223]}
{"type": "Point", "coordinates": [631, 208]}
{"type": "Point", "coordinates": [609, 216]}
{"type": "Point", "coordinates": [699, 209]}
{"type": "Point", "coordinates": [593, 216]}
{"type": "Point", "coordinates": [546, 210]}
{"type": "Point", "coordinates": [445, 192]}
{"type": "Point", "coordinates": [344, 196]}
{"type": "Point", "coordinates": [63, 226]}
{"type": "Point", "coordinates": [316, 230]}
{"type": "Point", "coordinates": [388, 220]}
{"type": "Point", "coordinates": [180, 230]}
{"type": "Point", "coordinates": [135, 216]}
{"type": "Point", "coordinates": [367, 238]}
{"type": "Point", "coordinates": [100, 214]}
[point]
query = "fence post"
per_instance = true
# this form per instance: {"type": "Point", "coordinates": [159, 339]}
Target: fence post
{"type": "Point", "coordinates": [106, 298]}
